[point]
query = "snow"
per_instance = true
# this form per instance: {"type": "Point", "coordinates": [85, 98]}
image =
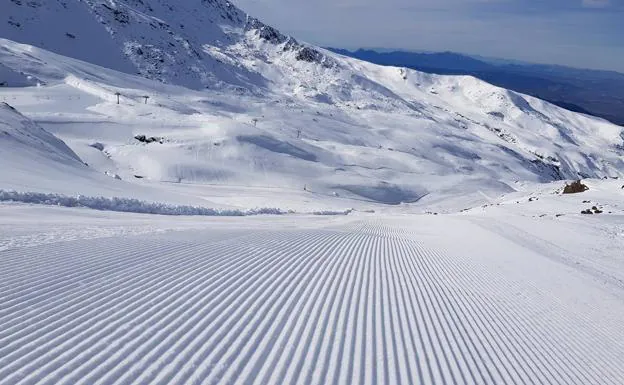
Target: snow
{"type": "Point", "coordinates": [459, 261]}
{"type": "Point", "coordinates": [137, 206]}
{"type": "Point", "coordinates": [365, 298]}
{"type": "Point", "coordinates": [124, 205]}
{"type": "Point", "coordinates": [382, 147]}
{"type": "Point", "coordinates": [18, 131]}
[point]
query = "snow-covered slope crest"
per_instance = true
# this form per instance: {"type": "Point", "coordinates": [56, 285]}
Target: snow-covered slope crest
{"type": "Point", "coordinates": [18, 133]}
{"type": "Point", "coordinates": [179, 42]}
{"type": "Point", "coordinates": [31, 156]}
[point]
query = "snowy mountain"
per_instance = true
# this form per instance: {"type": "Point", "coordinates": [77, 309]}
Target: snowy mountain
{"type": "Point", "coordinates": [186, 43]}
{"type": "Point", "coordinates": [593, 92]}
{"type": "Point", "coordinates": [22, 135]}
{"type": "Point", "coordinates": [329, 221]}
{"type": "Point", "coordinates": [233, 102]}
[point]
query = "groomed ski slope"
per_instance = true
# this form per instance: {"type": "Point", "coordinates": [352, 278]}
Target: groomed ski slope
{"type": "Point", "coordinates": [301, 300]}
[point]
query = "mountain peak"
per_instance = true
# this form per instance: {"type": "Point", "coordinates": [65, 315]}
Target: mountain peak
{"type": "Point", "coordinates": [187, 43]}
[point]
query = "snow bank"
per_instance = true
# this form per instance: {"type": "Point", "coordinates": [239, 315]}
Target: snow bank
{"type": "Point", "coordinates": [128, 205]}
{"type": "Point", "coordinates": [19, 133]}
{"type": "Point", "coordinates": [330, 212]}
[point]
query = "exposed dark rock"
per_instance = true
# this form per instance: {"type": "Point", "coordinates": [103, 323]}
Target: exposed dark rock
{"type": "Point", "coordinates": [266, 32]}
{"type": "Point", "coordinates": [97, 145]}
{"type": "Point", "coordinates": [575, 188]}
{"type": "Point", "coordinates": [310, 55]}
{"type": "Point", "coordinates": [497, 114]}
{"type": "Point", "coordinates": [150, 139]}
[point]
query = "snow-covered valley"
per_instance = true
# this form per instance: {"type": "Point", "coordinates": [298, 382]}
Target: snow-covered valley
{"type": "Point", "coordinates": [202, 199]}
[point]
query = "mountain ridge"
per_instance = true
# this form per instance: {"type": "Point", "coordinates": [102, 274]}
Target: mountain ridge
{"type": "Point", "coordinates": [133, 37]}
{"type": "Point", "coordinates": [266, 111]}
{"type": "Point", "coordinates": [594, 92]}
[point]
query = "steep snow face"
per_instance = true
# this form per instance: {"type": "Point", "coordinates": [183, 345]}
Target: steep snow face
{"type": "Point", "coordinates": [180, 42]}
{"type": "Point", "coordinates": [67, 27]}
{"type": "Point", "coordinates": [29, 154]}
{"type": "Point", "coordinates": [21, 134]}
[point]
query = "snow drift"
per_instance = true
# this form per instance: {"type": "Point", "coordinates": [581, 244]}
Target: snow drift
{"type": "Point", "coordinates": [129, 205]}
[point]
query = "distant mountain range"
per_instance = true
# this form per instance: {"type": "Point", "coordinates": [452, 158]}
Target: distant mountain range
{"type": "Point", "coordinates": [598, 93]}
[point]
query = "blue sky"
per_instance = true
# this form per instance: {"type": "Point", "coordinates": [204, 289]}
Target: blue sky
{"type": "Point", "coordinates": [578, 33]}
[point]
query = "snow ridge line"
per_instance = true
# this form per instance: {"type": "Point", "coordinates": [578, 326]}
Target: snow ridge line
{"type": "Point", "coordinates": [130, 205]}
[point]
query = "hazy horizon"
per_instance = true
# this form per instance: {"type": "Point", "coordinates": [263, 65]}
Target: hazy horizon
{"type": "Point", "coordinates": [583, 34]}
{"type": "Point", "coordinates": [483, 58]}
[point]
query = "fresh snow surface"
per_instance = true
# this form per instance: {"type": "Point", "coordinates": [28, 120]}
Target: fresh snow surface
{"type": "Point", "coordinates": [457, 299]}
{"type": "Point", "coordinates": [135, 245]}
